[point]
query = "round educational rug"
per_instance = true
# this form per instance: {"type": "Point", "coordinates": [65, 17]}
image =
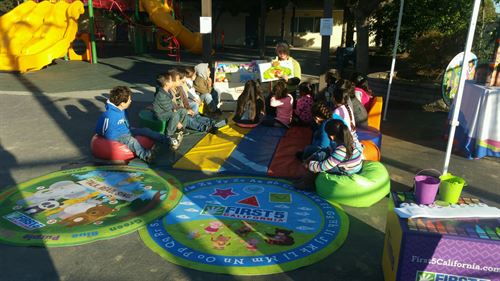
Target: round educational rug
{"type": "Point", "coordinates": [247, 226]}
{"type": "Point", "coordinates": [82, 205]}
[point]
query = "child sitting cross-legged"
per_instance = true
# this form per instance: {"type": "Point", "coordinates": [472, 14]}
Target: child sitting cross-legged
{"type": "Point", "coordinates": [250, 107]}
{"type": "Point", "coordinates": [114, 125]}
{"type": "Point", "coordinates": [283, 102]}
{"type": "Point", "coordinates": [320, 142]}
{"type": "Point", "coordinates": [343, 159]}
{"type": "Point", "coordinates": [302, 112]}
{"type": "Point", "coordinates": [164, 106]}
{"type": "Point", "coordinates": [193, 98]}
{"type": "Point", "coordinates": [192, 120]}
{"type": "Point", "coordinates": [203, 86]}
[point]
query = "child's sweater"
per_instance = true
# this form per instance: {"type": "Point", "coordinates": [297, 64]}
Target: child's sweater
{"type": "Point", "coordinates": [163, 104]}
{"type": "Point", "coordinates": [338, 159]}
{"type": "Point", "coordinates": [284, 109]}
{"type": "Point", "coordinates": [303, 109]}
{"type": "Point", "coordinates": [113, 123]}
{"type": "Point", "coordinates": [362, 96]}
{"type": "Point", "coordinates": [202, 86]}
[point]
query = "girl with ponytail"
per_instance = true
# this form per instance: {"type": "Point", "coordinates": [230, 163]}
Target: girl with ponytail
{"type": "Point", "coordinates": [341, 98]}
{"type": "Point", "coordinates": [250, 107]}
{"type": "Point", "coordinates": [343, 159]}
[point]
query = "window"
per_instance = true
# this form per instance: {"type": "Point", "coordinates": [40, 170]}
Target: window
{"type": "Point", "coordinates": [306, 24]}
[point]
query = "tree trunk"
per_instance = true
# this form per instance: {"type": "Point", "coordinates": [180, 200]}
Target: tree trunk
{"type": "Point", "coordinates": [262, 29]}
{"type": "Point", "coordinates": [349, 33]}
{"type": "Point", "coordinates": [362, 60]}
{"type": "Point", "coordinates": [282, 31]}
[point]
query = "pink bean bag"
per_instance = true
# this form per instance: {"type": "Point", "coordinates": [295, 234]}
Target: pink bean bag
{"type": "Point", "coordinates": [103, 148]}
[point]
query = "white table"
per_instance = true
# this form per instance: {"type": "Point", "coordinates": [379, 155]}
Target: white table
{"type": "Point", "coordinates": [478, 134]}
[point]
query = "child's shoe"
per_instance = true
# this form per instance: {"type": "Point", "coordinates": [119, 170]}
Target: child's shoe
{"type": "Point", "coordinates": [152, 154]}
{"type": "Point", "coordinates": [213, 130]}
{"type": "Point", "coordinates": [175, 144]}
{"type": "Point", "coordinates": [179, 136]}
{"type": "Point", "coordinates": [221, 123]}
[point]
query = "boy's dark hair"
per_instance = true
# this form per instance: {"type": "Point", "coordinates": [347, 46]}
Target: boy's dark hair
{"type": "Point", "coordinates": [306, 87]}
{"type": "Point", "coordinates": [189, 71]}
{"type": "Point", "coordinates": [342, 134]}
{"type": "Point", "coordinates": [279, 90]}
{"type": "Point", "coordinates": [163, 78]}
{"type": "Point", "coordinates": [181, 72]}
{"type": "Point", "coordinates": [119, 94]}
{"type": "Point", "coordinates": [332, 75]}
{"type": "Point", "coordinates": [282, 47]}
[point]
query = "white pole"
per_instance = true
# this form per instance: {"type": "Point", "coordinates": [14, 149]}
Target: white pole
{"type": "Point", "coordinates": [458, 98]}
{"type": "Point", "coordinates": [396, 43]}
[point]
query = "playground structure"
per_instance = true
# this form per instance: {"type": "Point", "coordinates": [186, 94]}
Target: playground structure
{"type": "Point", "coordinates": [34, 34]}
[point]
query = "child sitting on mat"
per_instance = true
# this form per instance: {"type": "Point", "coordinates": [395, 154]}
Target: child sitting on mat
{"type": "Point", "coordinates": [193, 98]}
{"type": "Point", "coordinates": [164, 106]}
{"type": "Point", "coordinates": [114, 125]}
{"type": "Point", "coordinates": [320, 141]}
{"type": "Point", "coordinates": [250, 107]}
{"type": "Point", "coordinates": [283, 102]}
{"type": "Point", "coordinates": [203, 86]}
{"type": "Point", "coordinates": [331, 78]}
{"type": "Point", "coordinates": [343, 159]}
{"type": "Point", "coordinates": [302, 112]}
{"type": "Point", "coordinates": [193, 121]}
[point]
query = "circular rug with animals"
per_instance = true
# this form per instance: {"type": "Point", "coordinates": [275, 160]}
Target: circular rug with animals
{"type": "Point", "coordinates": [82, 205]}
{"type": "Point", "coordinates": [247, 226]}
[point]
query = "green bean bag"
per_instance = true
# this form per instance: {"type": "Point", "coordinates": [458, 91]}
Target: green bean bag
{"type": "Point", "coordinates": [359, 190]}
{"type": "Point", "coordinates": [148, 120]}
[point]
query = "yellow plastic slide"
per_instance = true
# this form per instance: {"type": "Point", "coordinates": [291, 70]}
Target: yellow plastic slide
{"type": "Point", "coordinates": [160, 15]}
{"type": "Point", "coordinates": [33, 35]}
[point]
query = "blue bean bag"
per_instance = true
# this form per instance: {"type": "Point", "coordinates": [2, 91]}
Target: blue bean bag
{"type": "Point", "coordinates": [371, 134]}
{"type": "Point", "coordinates": [359, 190]}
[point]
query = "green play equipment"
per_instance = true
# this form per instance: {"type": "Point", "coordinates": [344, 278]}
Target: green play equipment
{"type": "Point", "coordinates": [147, 119]}
{"type": "Point", "coordinates": [359, 190]}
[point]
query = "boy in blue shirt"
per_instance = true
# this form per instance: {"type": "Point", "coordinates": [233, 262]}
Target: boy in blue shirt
{"type": "Point", "coordinates": [114, 125]}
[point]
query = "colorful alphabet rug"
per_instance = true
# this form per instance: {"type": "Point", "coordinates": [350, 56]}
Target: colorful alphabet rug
{"type": "Point", "coordinates": [247, 226]}
{"type": "Point", "coordinates": [83, 205]}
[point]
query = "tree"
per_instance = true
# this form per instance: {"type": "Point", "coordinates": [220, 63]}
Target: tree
{"type": "Point", "coordinates": [450, 18]}
{"type": "Point", "coordinates": [7, 5]}
{"type": "Point", "coordinates": [362, 11]}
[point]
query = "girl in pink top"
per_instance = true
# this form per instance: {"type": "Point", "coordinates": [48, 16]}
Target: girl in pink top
{"type": "Point", "coordinates": [284, 106]}
{"type": "Point", "coordinates": [362, 90]}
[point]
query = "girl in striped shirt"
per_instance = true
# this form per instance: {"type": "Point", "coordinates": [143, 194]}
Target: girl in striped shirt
{"type": "Point", "coordinates": [343, 159]}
